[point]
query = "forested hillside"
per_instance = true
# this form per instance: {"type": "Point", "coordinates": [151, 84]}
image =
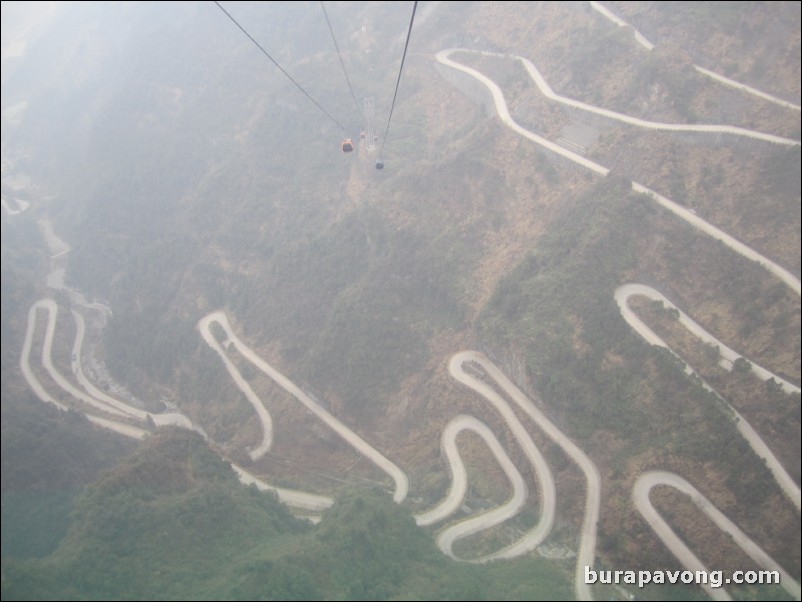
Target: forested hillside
{"type": "Point", "coordinates": [162, 167]}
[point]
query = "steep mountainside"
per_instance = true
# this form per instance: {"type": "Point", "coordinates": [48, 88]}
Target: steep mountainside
{"type": "Point", "coordinates": [186, 175]}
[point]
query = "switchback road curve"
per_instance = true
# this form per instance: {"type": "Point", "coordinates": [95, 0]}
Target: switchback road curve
{"type": "Point", "coordinates": [454, 497]}
{"type": "Point", "coordinates": [677, 209]}
{"type": "Point", "coordinates": [640, 497]}
{"type": "Point", "coordinates": [398, 476]}
{"type": "Point", "coordinates": [622, 295]}
{"type": "Point", "coordinates": [93, 397]}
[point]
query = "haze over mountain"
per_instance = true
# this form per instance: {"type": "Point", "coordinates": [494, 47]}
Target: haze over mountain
{"type": "Point", "coordinates": [572, 291]}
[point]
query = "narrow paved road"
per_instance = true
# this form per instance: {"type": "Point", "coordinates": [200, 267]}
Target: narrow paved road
{"type": "Point", "coordinates": [457, 369]}
{"type": "Point", "coordinates": [291, 497]}
{"type": "Point", "coordinates": [641, 39]}
{"type": "Point", "coordinates": [549, 93]}
{"type": "Point", "coordinates": [587, 545]}
{"type": "Point", "coordinates": [728, 355]}
{"type": "Point", "coordinates": [52, 311]}
{"type": "Point", "coordinates": [640, 496]}
{"type": "Point", "coordinates": [170, 418]}
{"type": "Point", "coordinates": [398, 476]}
{"type": "Point", "coordinates": [264, 416]}
{"type": "Point", "coordinates": [545, 479]}
{"type": "Point", "coordinates": [678, 210]}
{"type": "Point", "coordinates": [459, 475]}
{"type": "Point", "coordinates": [25, 364]}
{"type": "Point", "coordinates": [33, 382]}
{"type": "Point", "coordinates": [622, 294]}
{"type": "Point", "coordinates": [447, 537]}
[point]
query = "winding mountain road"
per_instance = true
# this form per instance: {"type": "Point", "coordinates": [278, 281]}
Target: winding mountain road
{"type": "Point", "coordinates": [447, 537]}
{"type": "Point", "coordinates": [545, 479]}
{"type": "Point", "coordinates": [641, 39]}
{"type": "Point", "coordinates": [779, 473]}
{"type": "Point", "coordinates": [265, 419]}
{"type": "Point", "coordinates": [462, 368]}
{"type": "Point", "coordinates": [587, 545]}
{"type": "Point", "coordinates": [459, 475]}
{"type": "Point", "coordinates": [549, 93]}
{"type": "Point", "coordinates": [398, 476]}
{"type": "Point", "coordinates": [170, 418]}
{"type": "Point", "coordinates": [291, 497]}
{"type": "Point", "coordinates": [648, 480]}
{"type": "Point", "coordinates": [453, 499]}
{"type": "Point", "coordinates": [622, 295]}
{"type": "Point", "coordinates": [94, 397]}
{"type": "Point", "coordinates": [52, 311]}
{"type": "Point", "coordinates": [728, 355]}
{"type": "Point", "coordinates": [640, 497]}
{"type": "Point", "coordinates": [33, 382]}
{"type": "Point", "coordinates": [694, 220]}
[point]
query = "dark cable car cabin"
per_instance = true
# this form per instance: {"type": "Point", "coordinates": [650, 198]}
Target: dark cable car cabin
{"type": "Point", "coordinates": [347, 146]}
{"type": "Point", "coordinates": [379, 164]}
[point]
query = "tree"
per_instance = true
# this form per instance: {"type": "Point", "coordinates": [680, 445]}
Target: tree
{"type": "Point", "coordinates": [742, 365]}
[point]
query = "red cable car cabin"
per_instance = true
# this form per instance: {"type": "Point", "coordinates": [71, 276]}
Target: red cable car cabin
{"type": "Point", "coordinates": [347, 146]}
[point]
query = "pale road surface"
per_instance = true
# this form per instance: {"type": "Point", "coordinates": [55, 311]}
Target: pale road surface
{"type": "Point", "coordinates": [736, 245]}
{"type": "Point", "coordinates": [472, 525]}
{"type": "Point", "coordinates": [291, 497]}
{"type": "Point", "coordinates": [47, 362]}
{"type": "Point", "coordinates": [506, 119]}
{"type": "Point", "coordinates": [587, 545]}
{"type": "Point", "coordinates": [720, 78]}
{"type": "Point", "coordinates": [545, 479]}
{"type": "Point", "coordinates": [398, 476]}
{"type": "Point", "coordinates": [680, 211]}
{"type": "Point", "coordinates": [36, 386]}
{"type": "Point", "coordinates": [25, 365]}
{"type": "Point", "coordinates": [264, 416]}
{"type": "Point", "coordinates": [728, 355]}
{"type": "Point", "coordinates": [124, 429]}
{"type": "Point", "coordinates": [447, 537]}
{"type": "Point", "coordinates": [640, 496]}
{"type": "Point", "coordinates": [459, 475]}
{"type": "Point", "coordinates": [784, 480]}
{"type": "Point", "coordinates": [547, 91]}
{"type": "Point", "coordinates": [621, 23]}
{"type": "Point", "coordinates": [172, 418]}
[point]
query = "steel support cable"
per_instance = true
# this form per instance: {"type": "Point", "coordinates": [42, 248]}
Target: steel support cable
{"type": "Point", "coordinates": [398, 81]}
{"type": "Point", "coordinates": [342, 63]}
{"type": "Point", "coordinates": [272, 60]}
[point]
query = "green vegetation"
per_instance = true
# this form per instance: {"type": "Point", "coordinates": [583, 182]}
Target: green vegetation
{"type": "Point", "coordinates": [564, 288]}
{"type": "Point", "coordinates": [599, 379]}
{"type": "Point", "coordinates": [558, 307]}
{"type": "Point", "coordinates": [235, 197]}
{"type": "Point", "coordinates": [189, 176]}
{"type": "Point", "coordinates": [172, 522]}
{"type": "Point", "coordinates": [48, 456]}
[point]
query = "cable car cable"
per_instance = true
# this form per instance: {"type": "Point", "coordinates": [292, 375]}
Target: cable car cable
{"type": "Point", "coordinates": [259, 46]}
{"type": "Point", "coordinates": [342, 63]}
{"type": "Point", "coordinates": [398, 81]}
